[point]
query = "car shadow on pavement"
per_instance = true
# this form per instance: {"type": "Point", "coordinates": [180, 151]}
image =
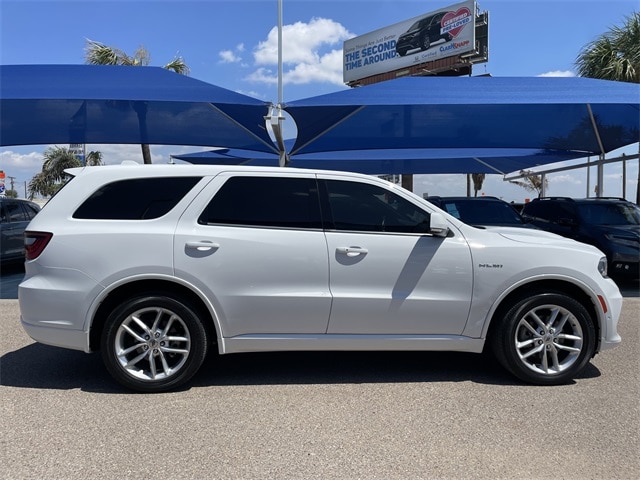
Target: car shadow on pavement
{"type": "Point", "coordinates": [44, 367]}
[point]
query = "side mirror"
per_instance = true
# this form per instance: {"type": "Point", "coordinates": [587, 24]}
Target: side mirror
{"type": "Point", "coordinates": [438, 226]}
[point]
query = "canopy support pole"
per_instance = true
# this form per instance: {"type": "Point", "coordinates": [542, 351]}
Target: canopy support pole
{"type": "Point", "coordinates": [599, 185]}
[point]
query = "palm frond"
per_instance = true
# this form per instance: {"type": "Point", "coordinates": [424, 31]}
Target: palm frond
{"type": "Point", "coordinates": [615, 55]}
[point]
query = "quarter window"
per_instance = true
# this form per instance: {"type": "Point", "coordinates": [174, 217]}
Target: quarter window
{"type": "Point", "coordinates": [136, 199]}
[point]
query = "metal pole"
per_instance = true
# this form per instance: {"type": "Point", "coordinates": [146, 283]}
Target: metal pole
{"type": "Point", "coordinates": [624, 178]}
{"type": "Point", "coordinates": [588, 176]}
{"type": "Point", "coordinates": [280, 53]}
{"type": "Point", "coordinates": [600, 177]}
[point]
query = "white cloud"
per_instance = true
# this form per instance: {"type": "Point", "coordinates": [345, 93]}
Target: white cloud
{"type": "Point", "coordinates": [558, 73]}
{"type": "Point", "coordinates": [231, 56]}
{"type": "Point", "coordinates": [227, 56]}
{"type": "Point", "coordinates": [307, 53]}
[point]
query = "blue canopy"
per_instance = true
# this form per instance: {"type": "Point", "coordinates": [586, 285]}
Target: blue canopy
{"type": "Point", "coordinates": [42, 104]}
{"type": "Point", "coordinates": [562, 114]}
{"type": "Point", "coordinates": [397, 161]}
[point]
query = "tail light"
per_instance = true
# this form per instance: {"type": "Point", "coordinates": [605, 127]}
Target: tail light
{"type": "Point", "coordinates": [35, 243]}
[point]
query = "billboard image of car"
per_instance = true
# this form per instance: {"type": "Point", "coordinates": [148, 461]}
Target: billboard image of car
{"type": "Point", "coordinates": [422, 34]}
{"type": "Point", "coordinates": [446, 32]}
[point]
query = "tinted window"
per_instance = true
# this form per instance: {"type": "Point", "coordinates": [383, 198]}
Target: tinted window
{"type": "Point", "coordinates": [30, 210]}
{"type": "Point", "coordinates": [609, 214]}
{"type": "Point", "coordinates": [482, 212]}
{"type": "Point", "coordinates": [265, 201]}
{"type": "Point", "coordinates": [16, 212]}
{"type": "Point", "coordinates": [136, 199]}
{"type": "Point", "coordinates": [363, 207]}
{"type": "Point", "coordinates": [552, 211]}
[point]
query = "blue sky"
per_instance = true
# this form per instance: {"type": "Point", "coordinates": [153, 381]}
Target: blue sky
{"type": "Point", "coordinates": [233, 43]}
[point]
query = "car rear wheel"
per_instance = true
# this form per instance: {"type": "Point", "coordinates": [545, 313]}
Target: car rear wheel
{"type": "Point", "coordinates": [545, 339]}
{"type": "Point", "coordinates": [153, 343]}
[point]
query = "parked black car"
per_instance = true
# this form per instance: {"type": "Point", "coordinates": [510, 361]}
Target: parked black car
{"type": "Point", "coordinates": [15, 215]}
{"type": "Point", "coordinates": [481, 211]}
{"type": "Point", "coordinates": [422, 34]}
{"type": "Point", "coordinates": [611, 224]}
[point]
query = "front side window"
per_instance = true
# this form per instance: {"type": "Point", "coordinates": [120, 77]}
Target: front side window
{"type": "Point", "coordinates": [363, 207]}
{"type": "Point", "coordinates": [284, 202]}
{"type": "Point", "coordinates": [135, 198]}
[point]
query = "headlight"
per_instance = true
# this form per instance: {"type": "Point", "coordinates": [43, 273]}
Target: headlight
{"type": "Point", "coordinates": [628, 241]}
{"type": "Point", "coordinates": [602, 267]}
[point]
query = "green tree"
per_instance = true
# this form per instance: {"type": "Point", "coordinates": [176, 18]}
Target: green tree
{"type": "Point", "coordinates": [97, 53]}
{"type": "Point", "coordinates": [56, 161]}
{"type": "Point", "coordinates": [531, 182]}
{"type": "Point", "coordinates": [614, 55]}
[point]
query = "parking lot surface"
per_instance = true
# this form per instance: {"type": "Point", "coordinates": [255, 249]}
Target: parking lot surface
{"type": "Point", "coordinates": [318, 415]}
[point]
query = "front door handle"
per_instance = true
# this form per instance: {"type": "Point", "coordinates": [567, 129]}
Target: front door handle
{"type": "Point", "coordinates": [352, 251]}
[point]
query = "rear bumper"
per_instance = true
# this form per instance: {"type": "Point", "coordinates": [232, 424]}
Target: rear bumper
{"type": "Point", "coordinates": [57, 336]}
{"type": "Point", "coordinates": [54, 305]}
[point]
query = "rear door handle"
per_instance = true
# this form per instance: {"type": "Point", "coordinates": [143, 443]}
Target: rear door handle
{"type": "Point", "coordinates": [352, 251]}
{"type": "Point", "coordinates": [203, 246]}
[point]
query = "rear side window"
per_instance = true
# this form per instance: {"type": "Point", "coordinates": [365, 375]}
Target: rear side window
{"type": "Point", "coordinates": [265, 202]}
{"type": "Point", "coordinates": [551, 211]}
{"type": "Point", "coordinates": [16, 212]}
{"type": "Point", "coordinates": [136, 198]}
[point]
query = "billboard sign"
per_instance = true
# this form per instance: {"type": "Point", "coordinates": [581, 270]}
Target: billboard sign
{"type": "Point", "coordinates": [442, 33]}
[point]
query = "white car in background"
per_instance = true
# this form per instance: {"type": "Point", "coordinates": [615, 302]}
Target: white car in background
{"type": "Point", "coordinates": [155, 265]}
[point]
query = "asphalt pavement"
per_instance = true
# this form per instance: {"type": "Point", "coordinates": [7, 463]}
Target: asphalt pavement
{"type": "Point", "coordinates": [392, 415]}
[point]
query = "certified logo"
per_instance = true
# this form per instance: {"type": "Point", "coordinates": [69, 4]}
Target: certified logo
{"type": "Point", "coordinates": [454, 22]}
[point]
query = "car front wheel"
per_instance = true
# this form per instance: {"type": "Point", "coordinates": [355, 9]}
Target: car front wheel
{"type": "Point", "coordinates": [545, 339]}
{"type": "Point", "coordinates": [153, 343]}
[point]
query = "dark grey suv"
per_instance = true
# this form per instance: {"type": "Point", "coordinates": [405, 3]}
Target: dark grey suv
{"type": "Point", "coordinates": [422, 34]}
{"type": "Point", "coordinates": [610, 224]}
{"type": "Point", "coordinates": [15, 215]}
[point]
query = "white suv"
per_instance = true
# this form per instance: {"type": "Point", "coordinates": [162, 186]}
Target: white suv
{"type": "Point", "coordinates": [154, 265]}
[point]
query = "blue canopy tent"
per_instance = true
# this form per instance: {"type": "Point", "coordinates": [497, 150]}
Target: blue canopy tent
{"type": "Point", "coordinates": [559, 114]}
{"type": "Point", "coordinates": [396, 161]}
{"type": "Point", "coordinates": [42, 104]}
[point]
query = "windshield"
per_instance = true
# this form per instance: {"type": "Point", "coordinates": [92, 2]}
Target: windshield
{"type": "Point", "coordinates": [610, 213]}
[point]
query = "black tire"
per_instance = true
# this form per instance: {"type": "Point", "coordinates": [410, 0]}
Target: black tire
{"type": "Point", "coordinates": [544, 339]}
{"type": "Point", "coordinates": [153, 343]}
{"type": "Point", "coordinates": [425, 43]}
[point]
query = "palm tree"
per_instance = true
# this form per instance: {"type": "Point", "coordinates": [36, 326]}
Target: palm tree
{"type": "Point", "coordinates": [614, 55]}
{"type": "Point", "coordinates": [97, 53]}
{"type": "Point", "coordinates": [478, 180]}
{"type": "Point", "coordinates": [531, 182]}
{"type": "Point", "coordinates": [94, 159]}
{"type": "Point", "coordinates": [56, 161]}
